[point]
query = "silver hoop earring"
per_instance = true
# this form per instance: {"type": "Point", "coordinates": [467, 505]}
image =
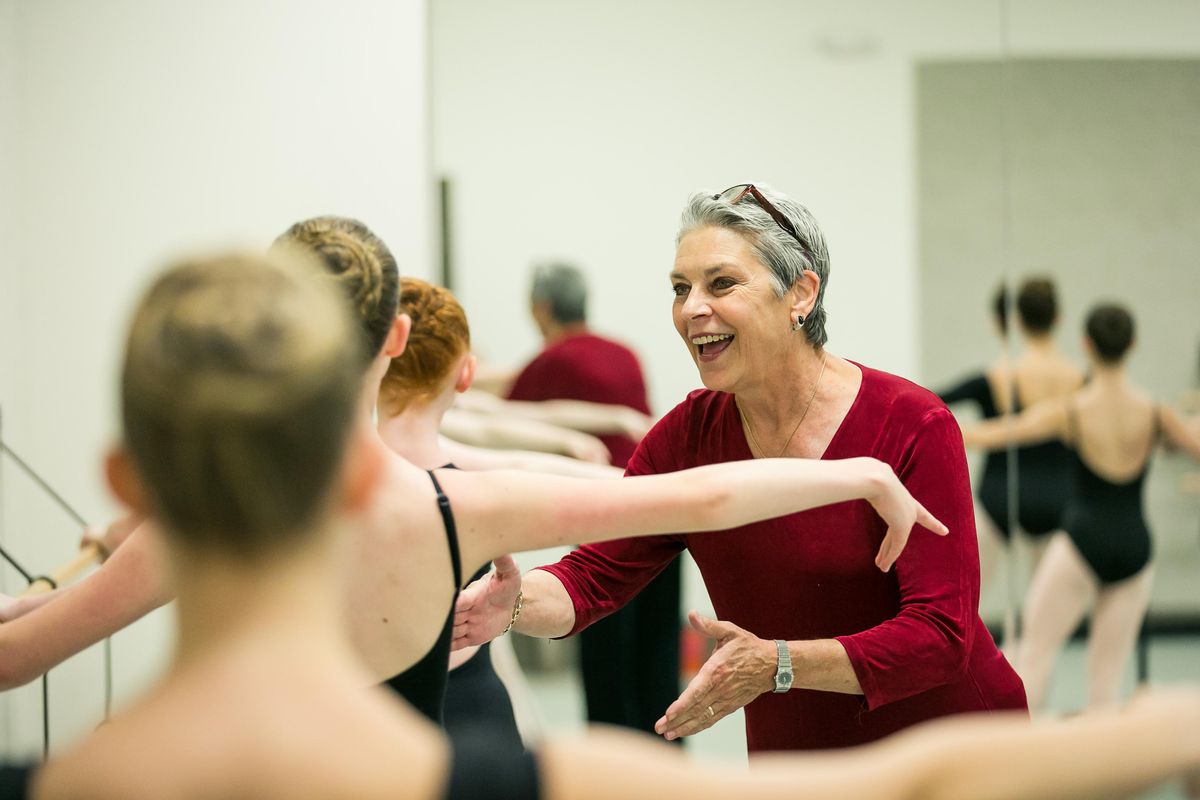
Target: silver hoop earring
{"type": "Point", "coordinates": [799, 323]}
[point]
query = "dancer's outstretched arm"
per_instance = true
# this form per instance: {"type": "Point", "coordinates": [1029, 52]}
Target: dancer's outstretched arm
{"type": "Point", "coordinates": [106, 540]}
{"type": "Point", "coordinates": [510, 511]}
{"type": "Point", "coordinates": [528, 513]}
{"type": "Point", "coordinates": [487, 430]}
{"type": "Point", "coordinates": [984, 757]}
{"type": "Point", "coordinates": [468, 457]}
{"type": "Point", "coordinates": [1180, 433]}
{"type": "Point", "coordinates": [580, 415]}
{"type": "Point", "coordinates": [1038, 423]}
{"type": "Point", "coordinates": [129, 585]}
{"type": "Point", "coordinates": [13, 607]}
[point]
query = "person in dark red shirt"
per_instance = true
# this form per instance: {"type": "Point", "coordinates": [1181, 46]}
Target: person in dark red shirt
{"type": "Point", "coordinates": [820, 649]}
{"type": "Point", "coordinates": [629, 660]}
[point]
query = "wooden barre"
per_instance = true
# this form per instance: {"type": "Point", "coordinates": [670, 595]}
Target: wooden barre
{"type": "Point", "coordinates": [87, 556]}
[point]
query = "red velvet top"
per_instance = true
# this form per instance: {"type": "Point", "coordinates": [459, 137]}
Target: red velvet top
{"type": "Point", "coordinates": [913, 635]}
{"type": "Point", "coordinates": [584, 366]}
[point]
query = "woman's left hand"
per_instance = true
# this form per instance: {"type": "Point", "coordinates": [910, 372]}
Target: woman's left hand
{"type": "Point", "coordinates": [740, 669]}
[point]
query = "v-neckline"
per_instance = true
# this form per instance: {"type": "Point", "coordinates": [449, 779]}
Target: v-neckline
{"type": "Point", "coordinates": [837, 434]}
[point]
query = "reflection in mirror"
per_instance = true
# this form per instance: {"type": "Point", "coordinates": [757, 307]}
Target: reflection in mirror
{"type": "Point", "coordinates": [1103, 187]}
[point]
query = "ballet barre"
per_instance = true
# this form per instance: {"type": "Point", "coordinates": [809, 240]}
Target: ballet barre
{"type": "Point", "coordinates": [87, 556]}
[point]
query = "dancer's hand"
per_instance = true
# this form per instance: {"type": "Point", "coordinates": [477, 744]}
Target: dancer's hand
{"type": "Point", "coordinates": [8, 608]}
{"type": "Point", "coordinates": [740, 669]}
{"type": "Point", "coordinates": [485, 607]}
{"type": "Point", "coordinates": [634, 423]}
{"type": "Point", "coordinates": [110, 538]}
{"type": "Point", "coordinates": [900, 511]}
{"type": "Point", "coordinates": [585, 447]}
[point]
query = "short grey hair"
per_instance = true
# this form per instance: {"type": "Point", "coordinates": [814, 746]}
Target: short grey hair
{"type": "Point", "coordinates": [785, 257]}
{"type": "Point", "coordinates": [563, 288]}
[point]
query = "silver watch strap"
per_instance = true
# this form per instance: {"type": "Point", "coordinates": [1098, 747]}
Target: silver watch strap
{"type": "Point", "coordinates": [783, 669]}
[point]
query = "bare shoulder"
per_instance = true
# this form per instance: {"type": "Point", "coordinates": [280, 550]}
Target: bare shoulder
{"type": "Point", "coordinates": [1143, 397]}
{"type": "Point", "coordinates": [1072, 376]}
{"type": "Point", "coordinates": [339, 743]}
{"type": "Point", "coordinates": [114, 762]}
{"type": "Point", "coordinates": [403, 508]}
{"type": "Point", "coordinates": [362, 744]}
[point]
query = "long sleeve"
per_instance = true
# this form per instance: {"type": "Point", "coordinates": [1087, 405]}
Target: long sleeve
{"type": "Point", "coordinates": [601, 578]}
{"type": "Point", "coordinates": [928, 643]}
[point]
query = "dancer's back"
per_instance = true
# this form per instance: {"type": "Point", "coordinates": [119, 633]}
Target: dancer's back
{"type": "Point", "coordinates": [1037, 375]}
{"type": "Point", "coordinates": [268, 719]}
{"type": "Point", "coordinates": [1116, 425]}
{"type": "Point", "coordinates": [403, 581]}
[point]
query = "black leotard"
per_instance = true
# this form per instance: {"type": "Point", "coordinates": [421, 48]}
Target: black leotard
{"type": "Point", "coordinates": [480, 769]}
{"type": "Point", "coordinates": [423, 684]}
{"type": "Point", "coordinates": [476, 699]}
{"type": "Point", "coordinates": [14, 781]}
{"type": "Point", "coordinates": [1042, 471]}
{"type": "Point", "coordinates": [1105, 519]}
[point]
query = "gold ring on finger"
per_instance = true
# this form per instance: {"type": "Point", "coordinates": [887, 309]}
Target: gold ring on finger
{"type": "Point", "coordinates": [711, 713]}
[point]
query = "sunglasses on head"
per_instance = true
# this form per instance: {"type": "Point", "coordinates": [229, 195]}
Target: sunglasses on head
{"type": "Point", "coordinates": [736, 194]}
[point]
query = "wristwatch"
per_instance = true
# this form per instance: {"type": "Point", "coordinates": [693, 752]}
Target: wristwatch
{"type": "Point", "coordinates": [783, 673]}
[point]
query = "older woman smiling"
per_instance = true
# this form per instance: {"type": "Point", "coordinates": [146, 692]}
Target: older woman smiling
{"type": "Point", "coordinates": [821, 648]}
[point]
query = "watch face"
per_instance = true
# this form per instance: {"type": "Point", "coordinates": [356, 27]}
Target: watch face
{"type": "Point", "coordinates": [784, 678]}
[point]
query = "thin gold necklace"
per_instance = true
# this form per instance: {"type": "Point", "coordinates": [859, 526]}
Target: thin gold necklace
{"type": "Point", "coordinates": [811, 397]}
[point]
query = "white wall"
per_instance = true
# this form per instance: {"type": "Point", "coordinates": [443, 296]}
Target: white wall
{"type": "Point", "coordinates": [578, 130]}
{"type": "Point", "coordinates": [139, 129]}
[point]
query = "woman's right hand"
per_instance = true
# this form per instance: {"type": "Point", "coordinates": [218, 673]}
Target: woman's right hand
{"type": "Point", "coordinates": [485, 608]}
{"type": "Point", "coordinates": [899, 510]}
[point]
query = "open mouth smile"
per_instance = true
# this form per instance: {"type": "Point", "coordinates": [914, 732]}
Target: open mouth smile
{"type": "Point", "coordinates": [709, 346]}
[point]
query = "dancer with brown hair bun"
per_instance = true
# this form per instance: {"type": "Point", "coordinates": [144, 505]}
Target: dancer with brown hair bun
{"type": "Point", "coordinates": [1103, 560]}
